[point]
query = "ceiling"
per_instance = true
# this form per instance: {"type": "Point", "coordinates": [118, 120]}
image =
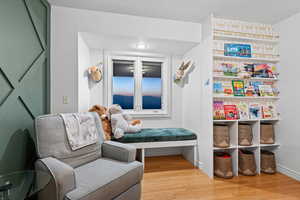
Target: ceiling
{"type": "Point", "coordinates": [265, 11]}
{"type": "Point", "coordinates": [125, 43]}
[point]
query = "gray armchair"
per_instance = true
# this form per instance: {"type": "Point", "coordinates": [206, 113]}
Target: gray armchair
{"type": "Point", "coordinates": [101, 171]}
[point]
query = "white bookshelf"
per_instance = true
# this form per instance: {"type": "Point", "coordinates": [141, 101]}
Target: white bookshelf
{"type": "Point", "coordinates": [206, 148]}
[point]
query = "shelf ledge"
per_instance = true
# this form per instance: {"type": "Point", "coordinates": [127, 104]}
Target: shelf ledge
{"type": "Point", "coordinates": [251, 79]}
{"type": "Point", "coordinates": [247, 59]}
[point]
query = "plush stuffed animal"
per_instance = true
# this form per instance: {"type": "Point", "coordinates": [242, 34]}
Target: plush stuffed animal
{"type": "Point", "coordinates": [121, 122]}
{"type": "Point", "coordinates": [95, 73]}
{"type": "Point", "coordinates": [102, 112]}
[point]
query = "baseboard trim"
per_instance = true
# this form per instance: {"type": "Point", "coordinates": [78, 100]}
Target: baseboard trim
{"type": "Point", "coordinates": [200, 165]}
{"type": "Point", "coordinates": [286, 171]}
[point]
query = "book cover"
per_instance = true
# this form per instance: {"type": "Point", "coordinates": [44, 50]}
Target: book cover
{"type": "Point", "coordinates": [218, 107]}
{"type": "Point", "coordinates": [218, 68]}
{"type": "Point", "coordinates": [246, 70]}
{"type": "Point", "coordinates": [237, 50]}
{"type": "Point", "coordinates": [238, 87]}
{"type": "Point", "coordinates": [264, 70]}
{"type": "Point", "coordinates": [269, 111]}
{"type": "Point", "coordinates": [249, 89]}
{"type": "Point", "coordinates": [231, 112]}
{"type": "Point", "coordinates": [243, 110]}
{"type": "Point", "coordinates": [227, 88]}
{"type": "Point", "coordinates": [218, 88]}
{"type": "Point", "coordinates": [230, 69]}
{"type": "Point", "coordinates": [272, 85]}
{"type": "Point", "coordinates": [266, 90]}
{"type": "Point", "coordinates": [254, 111]}
{"type": "Point", "coordinates": [256, 85]}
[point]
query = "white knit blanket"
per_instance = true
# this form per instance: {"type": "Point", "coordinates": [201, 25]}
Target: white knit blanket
{"type": "Point", "coordinates": [81, 129]}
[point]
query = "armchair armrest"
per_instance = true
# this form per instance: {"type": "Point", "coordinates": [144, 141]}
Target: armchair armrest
{"type": "Point", "coordinates": [63, 178]}
{"type": "Point", "coordinates": [118, 151]}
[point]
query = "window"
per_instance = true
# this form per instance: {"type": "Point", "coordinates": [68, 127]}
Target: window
{"type": "Point", "coordinates": [139, 84]}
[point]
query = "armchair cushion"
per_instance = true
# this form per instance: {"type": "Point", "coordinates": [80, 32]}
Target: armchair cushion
{"type": "Point", "coordinates": [118, 151]}
{"type": "Point", "coordinates": [63, 178]}
{"type": "Point", "coordinates": [105, 179]}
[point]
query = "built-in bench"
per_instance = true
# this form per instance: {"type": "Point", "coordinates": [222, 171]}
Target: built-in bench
{"type": "Point", "coordinates": [163, 138]}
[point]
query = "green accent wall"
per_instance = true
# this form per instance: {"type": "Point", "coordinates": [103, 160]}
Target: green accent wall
{"type": "Point", "coordinates": [24, 78]}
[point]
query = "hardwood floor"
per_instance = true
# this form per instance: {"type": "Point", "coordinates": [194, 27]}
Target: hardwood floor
{"type": "Point", "coordinates": [173, 178]}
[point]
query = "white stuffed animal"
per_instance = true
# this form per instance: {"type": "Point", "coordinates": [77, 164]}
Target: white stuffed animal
{"type": "Point", "coordinates": [121, 122]}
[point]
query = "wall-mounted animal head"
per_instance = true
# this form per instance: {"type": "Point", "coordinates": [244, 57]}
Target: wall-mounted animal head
{"type": "Point", "coordinates": [181, 71]}
{"type": "Point", "coordinates": [95, 73]}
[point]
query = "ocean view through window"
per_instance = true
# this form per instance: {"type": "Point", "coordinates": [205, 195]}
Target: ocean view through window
{"type": "Point", "coordinates": [151, 85]}
{"type": "Point", "coordinates": [140, 85]}
{"type": "Point", "coordinates": [123, 83]}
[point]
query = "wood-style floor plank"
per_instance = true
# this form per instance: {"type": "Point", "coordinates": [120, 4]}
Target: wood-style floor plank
{"type": "Point", "coordinates": [173, 178]}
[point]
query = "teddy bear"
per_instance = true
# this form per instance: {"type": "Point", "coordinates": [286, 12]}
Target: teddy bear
{"type": "Point", "coordinates": [121, 122]}
{"type": "Point", "coordinates": [102, 112]}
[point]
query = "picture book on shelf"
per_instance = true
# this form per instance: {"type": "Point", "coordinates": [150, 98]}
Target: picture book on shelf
{"type": "Point", "coordinates": [218, 107]}
{"type": "Point", "coordinates": [254, 111]}
{"type": "Point", "coordinates": [246, 70]}
{"type": "Point", "coordinates": [275, 90]}
{"type": "Point", "coordinates": [231, 112]}
{"type": "Point", "coordinates": [218, 68]}
{"type": "Point", "coordinates": [237, 50]}
{"type": "Point", "coordinates": [230, 69]}
{"type": "Point", "coordinates": [243, 110]}
{"type": "Point", "coordinates": [222, 68]}
{"type": "Point", "coordinates": [218, 88]}
{"type": "Point", "coordinates": [238, 87]}
{"type": "Point", "coordinates": [227, 88]}
{"type": "Point", "coordinates": [264, 70]}
{"type": "Point", "coordinates": [256, 85]}
{"type": "Point", "coordinates": [269, 111]}
{"type": "Point", "coordinates": [266, 90]}
{"type": "Point", "coordinates": [249, 89]}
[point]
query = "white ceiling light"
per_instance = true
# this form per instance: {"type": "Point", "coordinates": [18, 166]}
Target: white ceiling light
{"type": "Point", "coordinates": [142, 45]}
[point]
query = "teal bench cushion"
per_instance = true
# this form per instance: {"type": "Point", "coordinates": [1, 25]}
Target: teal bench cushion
{"type": "Point", "coordinates": [158, 135]}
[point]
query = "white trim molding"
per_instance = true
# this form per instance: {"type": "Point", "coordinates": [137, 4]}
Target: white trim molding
{"type": "Point", "coordinates": [288, 172]}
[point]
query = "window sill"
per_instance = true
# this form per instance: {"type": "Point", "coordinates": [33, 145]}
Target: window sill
{"type": "Point", "coordinates": [148, 114]}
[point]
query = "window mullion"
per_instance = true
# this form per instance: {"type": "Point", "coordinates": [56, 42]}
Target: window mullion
{"type": "Point", "coordinates": [138, 78]}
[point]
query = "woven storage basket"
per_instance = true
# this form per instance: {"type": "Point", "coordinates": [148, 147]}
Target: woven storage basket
{"type": "Point", "coordinates": [268, 162]}
{"type": "Point", "coordinates": [245, 135]}
{"type": "Point", "coordinates": [247, 164]}
{"type": "Point", "coordinates": [223, 165]}
{"type": "Point", "coordinates": [221, 136]}
{"type": "Point", "coordinates": [267, 134]}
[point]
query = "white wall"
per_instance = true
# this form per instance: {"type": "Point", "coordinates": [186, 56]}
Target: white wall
{"type": "Point", "coordinates": [197, 98]}
{"type": "Point", "coordinates": [288, 133]}
{"type": "Point", "coordinates": [97, 89]}
{"type": "Point", "coordinates": [66, 23]}
{"type": "Point", "coordinates": [191, 91]}
{"type": "Point", "coordinates": [83, 78]}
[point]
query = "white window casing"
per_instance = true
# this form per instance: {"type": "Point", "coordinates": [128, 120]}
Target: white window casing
{"type": "Point", "coordinates": [165, 78]}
